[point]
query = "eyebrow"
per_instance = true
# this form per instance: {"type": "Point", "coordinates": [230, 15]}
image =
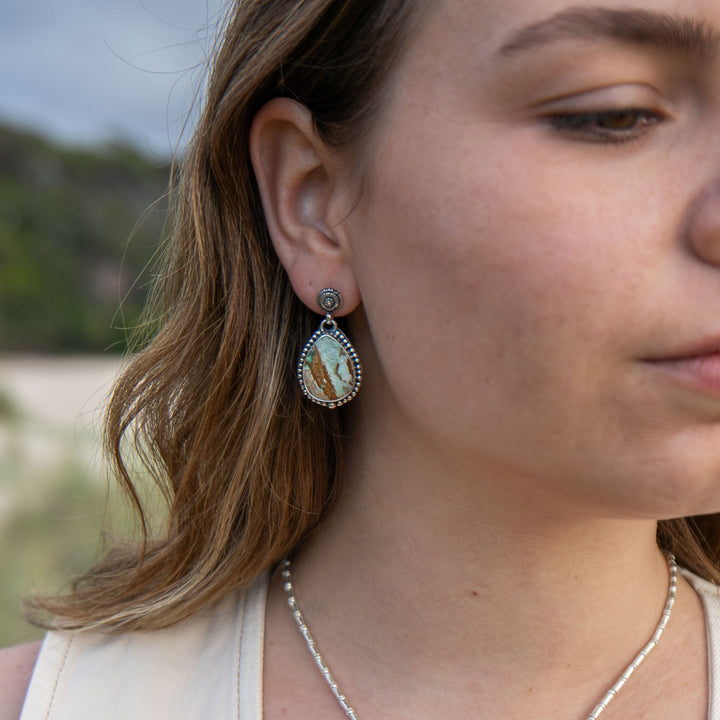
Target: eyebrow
{"type": "Point", "coordinates": [650, 28]}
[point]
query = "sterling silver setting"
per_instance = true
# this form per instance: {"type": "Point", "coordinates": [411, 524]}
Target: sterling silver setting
{"type": "Point", "coordinates": [332, 386]}
{"type": "Point", "coordinates": [597, 711]}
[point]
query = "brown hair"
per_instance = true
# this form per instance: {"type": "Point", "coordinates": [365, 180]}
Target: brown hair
{"type": "Point", "coordinates": [247, 466]}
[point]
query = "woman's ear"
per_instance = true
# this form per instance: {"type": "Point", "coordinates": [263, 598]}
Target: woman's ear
{"type": "Point", "coordinates": [297, 178]}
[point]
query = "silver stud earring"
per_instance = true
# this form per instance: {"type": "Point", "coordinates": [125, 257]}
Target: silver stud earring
{"type": "Point", "coordinates": [329, 370]}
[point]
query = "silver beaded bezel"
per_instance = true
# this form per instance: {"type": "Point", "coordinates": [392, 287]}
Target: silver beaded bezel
{"type": "Point", "coordinates": [330, 328]}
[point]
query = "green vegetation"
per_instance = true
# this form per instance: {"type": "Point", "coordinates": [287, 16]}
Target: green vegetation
{"type": "Point", "coordinates": [55, 505]}
{"type": "Point", "coordinates": [77, 229]}
{"type": "Point", "coordinates": [8, 409]}
{"type": "Point", "coordinates": [51, 536]}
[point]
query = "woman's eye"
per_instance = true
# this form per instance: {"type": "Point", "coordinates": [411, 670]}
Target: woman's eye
{"type": "Point", "coordinates": [611, 126]}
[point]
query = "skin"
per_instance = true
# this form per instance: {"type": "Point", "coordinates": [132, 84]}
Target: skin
{"type": "Point", "coordinates": [16, 666]}
{"type": "Point", "coordinates": [513, 276]}
{"type": "Point", "coordinates": [505, 265]}
{"type": "Point", "coordinates": [508, 279]}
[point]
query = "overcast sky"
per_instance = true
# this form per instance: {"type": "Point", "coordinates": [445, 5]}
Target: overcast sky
{"type": "Point", "coordinates": [85, 71]}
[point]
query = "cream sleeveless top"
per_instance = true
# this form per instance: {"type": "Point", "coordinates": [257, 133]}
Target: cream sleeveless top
{"type": "Point", "coordinates": [206, 668]}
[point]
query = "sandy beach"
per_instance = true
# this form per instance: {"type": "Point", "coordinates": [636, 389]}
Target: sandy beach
{"type": "Point", "coordinates": [51, 415]}
{"type": "Point", "coordinates": [57, 390]}
{"type": "Point", "coordinates": [53, 486]}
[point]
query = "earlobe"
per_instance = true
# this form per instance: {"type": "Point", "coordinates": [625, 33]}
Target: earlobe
{"type": "Point", "coordinates": [297, 182]}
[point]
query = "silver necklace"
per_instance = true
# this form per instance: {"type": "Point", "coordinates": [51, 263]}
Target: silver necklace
{"type": "Point", "coordinates": [599, 708]}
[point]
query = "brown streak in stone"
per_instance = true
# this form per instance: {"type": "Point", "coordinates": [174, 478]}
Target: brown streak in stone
{"type": "Point", "coordinates": [321, 376]}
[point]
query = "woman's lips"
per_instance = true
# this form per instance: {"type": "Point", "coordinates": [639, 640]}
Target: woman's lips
{"type": "Point", "coordinates": [700, 369]}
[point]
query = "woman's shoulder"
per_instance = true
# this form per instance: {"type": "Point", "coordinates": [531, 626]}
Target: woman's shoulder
{"type": "Point", "coordinates": [16, 666]}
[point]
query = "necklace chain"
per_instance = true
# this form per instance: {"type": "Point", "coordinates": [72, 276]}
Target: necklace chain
{"type": "Point", "coordinates": [599, 708]}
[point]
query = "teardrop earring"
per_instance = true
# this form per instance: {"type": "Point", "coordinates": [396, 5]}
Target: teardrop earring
{"type": "Point", "coordinates": [329, 370]}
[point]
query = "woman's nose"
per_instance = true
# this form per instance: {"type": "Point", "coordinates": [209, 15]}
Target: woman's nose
{"type": "Point", "coordinates": [703, 225]}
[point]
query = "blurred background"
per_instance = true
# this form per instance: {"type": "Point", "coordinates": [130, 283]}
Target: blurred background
{"type": "Point", "coordinates": [95, 98]}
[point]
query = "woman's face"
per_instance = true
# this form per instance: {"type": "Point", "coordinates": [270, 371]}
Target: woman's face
{"type": "Point", "coordinates": [538, 248]}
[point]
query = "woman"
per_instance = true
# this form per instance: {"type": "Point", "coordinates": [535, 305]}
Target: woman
{"type": "Point", "coordinates": [518, 207]}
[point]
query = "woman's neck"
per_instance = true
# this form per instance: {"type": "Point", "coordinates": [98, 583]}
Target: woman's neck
{"type": "Point", "coordinates": [421, 572]}
{"type": "Point", "coordinates": [444, 580]}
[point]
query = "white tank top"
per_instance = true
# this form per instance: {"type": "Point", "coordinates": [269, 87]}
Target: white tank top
{"type": "Point", "coordinates": [208, 667]}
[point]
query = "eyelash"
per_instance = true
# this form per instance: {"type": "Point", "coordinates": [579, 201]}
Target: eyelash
{"type": "Point", "coordinates": [586, 126]}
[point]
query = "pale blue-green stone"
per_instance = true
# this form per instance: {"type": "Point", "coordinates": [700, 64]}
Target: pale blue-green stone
{"type": "Point", "coordinates": [328, 371]}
